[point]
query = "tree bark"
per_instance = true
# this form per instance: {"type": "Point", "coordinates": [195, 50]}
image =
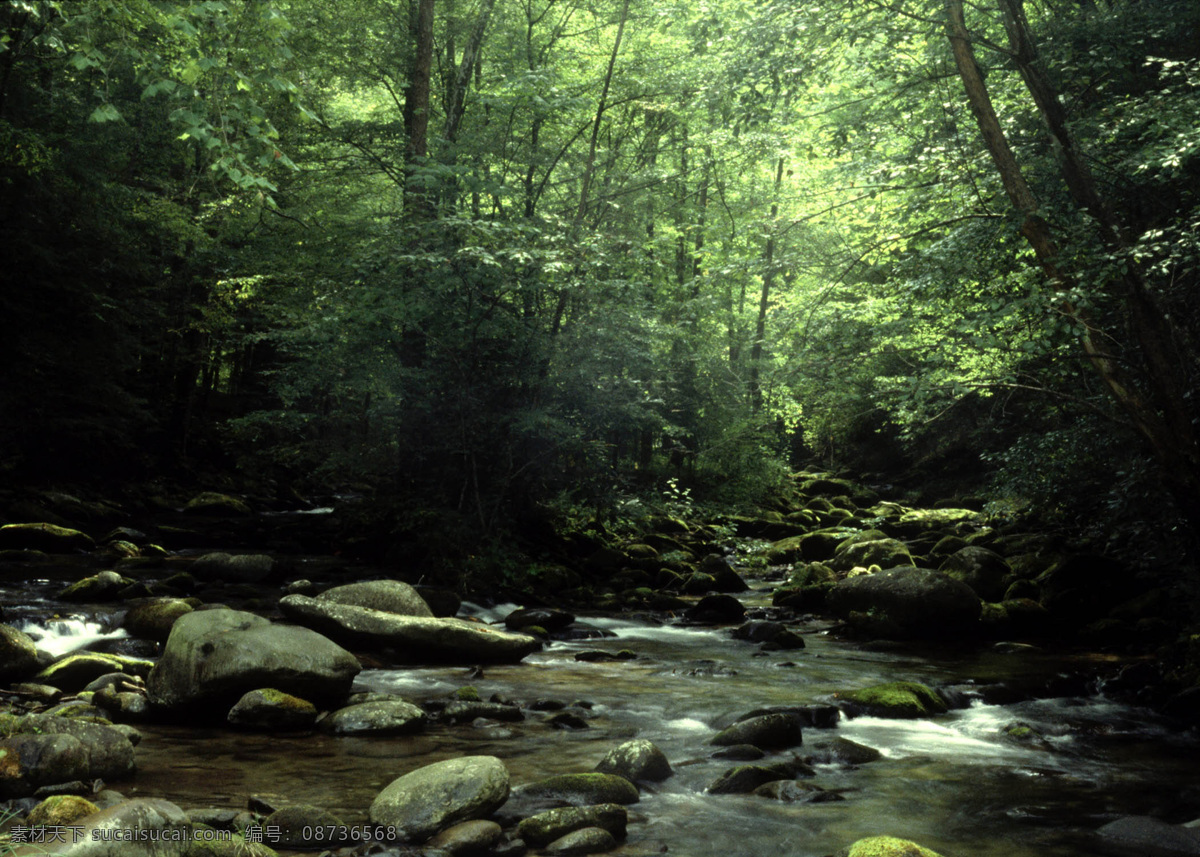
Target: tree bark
{"type": "Point", "coordinates": [764, 302]}
{"type": "Point", "coordinates": [416, 106]}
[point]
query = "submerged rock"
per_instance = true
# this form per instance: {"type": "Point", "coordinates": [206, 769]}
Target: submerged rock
{"type": "Point", "coordinates": [416, 639]}
{"type": "Point", "coordinates": [790, 791]}
{"type": "Point", "coordinates": [434, 797]}
{"type": "Point", "coordinates": [744, 779]}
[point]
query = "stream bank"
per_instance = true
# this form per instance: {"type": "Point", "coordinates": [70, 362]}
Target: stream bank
{"type": "Point", "coordinates": [1025, 755]}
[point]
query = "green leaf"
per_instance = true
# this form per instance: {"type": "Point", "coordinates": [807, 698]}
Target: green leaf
{"type": "Point", "coordinates": [105, 113]}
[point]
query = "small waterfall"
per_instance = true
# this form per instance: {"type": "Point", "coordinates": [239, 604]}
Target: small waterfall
{"type": "Point", "coordinates": [62, 635]}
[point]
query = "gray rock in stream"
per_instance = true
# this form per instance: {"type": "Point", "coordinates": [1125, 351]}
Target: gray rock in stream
{"type": "Point", "coordinates": [434, 797]}
{"type": "Point", "coordinates": [637, 760]}
{"type": "Point", "coordinates": [390, 596]}
{"type": "Point", "coordinates": [213, 657]}
{"type": "Point", "coordinates": [416, 639]}
{"type": "Point", "coordinates": [1142, 836]}
{"type": "Point", "coordinates": [382, 717]}
{"type": "Point", "coordinates": [776, 731]}
{"type": "Point", "coordinates": [582, 789]}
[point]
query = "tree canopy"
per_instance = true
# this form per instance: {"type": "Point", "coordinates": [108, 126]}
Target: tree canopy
{"type": "Point", "coordinates": [481, 255]}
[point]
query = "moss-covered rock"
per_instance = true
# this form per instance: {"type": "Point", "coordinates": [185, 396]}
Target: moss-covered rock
{"type": "Point", "coordinates": [545, 827]}
{"type": "Point", "coordinates": [636, 761]}
{"type": "Point", "coordinates": [18, 654]}
{"type": "Point", "coordinates": [886, 846]}
{"type": "Point", "coordinates": [271, 709]}
{"type": "Point", "coordinates": [152, 619]}
{"type": "Point", "coordinates": [105, 586]}
{"type": "Point", "coordinates": [49, 538]}
{"type": "Point", "coordinates": [60, 810]}
{"type": "Point", "coordinates": [985, 571]}
{"type": "Point", "coordinates": [74, 672]}
{"type": "Point", "coordinates": [42, 749]}
{"type": "Point", "coordinates": [884, 553]}
{"type": "Point", "coordinates": [896, 699]}
{"type": "Point", "coordinates": [215, 503]}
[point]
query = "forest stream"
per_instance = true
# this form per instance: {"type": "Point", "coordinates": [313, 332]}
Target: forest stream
{"type": "Point", "coordinates": [957, 783]}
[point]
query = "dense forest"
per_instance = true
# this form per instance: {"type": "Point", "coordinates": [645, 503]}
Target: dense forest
{"type": "Point", "coordinates": [496, 259]}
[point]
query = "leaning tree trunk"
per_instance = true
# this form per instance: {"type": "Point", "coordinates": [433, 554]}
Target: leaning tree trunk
{"type": "Point", "coordinates": [1153, 399]}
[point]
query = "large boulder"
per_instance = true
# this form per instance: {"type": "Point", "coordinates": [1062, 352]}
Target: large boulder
{"type": "Point", "coordinates": [43, 749]}
{"type": "Point", "coordinates": [985, 571]}
{"type": "Point", "coordinates": [434, 797]}
{"type": "Point", "coordinates": [389, 596]}
{"type": "Point", "coordinates": [417, 639]}
{"type": "Point", "coordinates": [907, 603]}
{"type": "Point", "coordinates": [213, 657]}
{"type": "Point", "coordinates": [885, 553]}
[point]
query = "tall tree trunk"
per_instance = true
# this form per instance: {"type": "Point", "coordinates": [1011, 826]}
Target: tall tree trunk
{"type": "Point", "coordinates": [764, 301]}
{"type": "Point", "coordinates": [416, 107]}
{"type": "Point", "coordinates": [1154, 400]}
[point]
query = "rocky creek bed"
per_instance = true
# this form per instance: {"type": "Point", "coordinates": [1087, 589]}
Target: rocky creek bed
{"type": "Point", "coordinates": [840, 676]}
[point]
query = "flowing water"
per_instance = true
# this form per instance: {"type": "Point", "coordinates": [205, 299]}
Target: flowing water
{"type": "Point", "coordinates": [955, 783]}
